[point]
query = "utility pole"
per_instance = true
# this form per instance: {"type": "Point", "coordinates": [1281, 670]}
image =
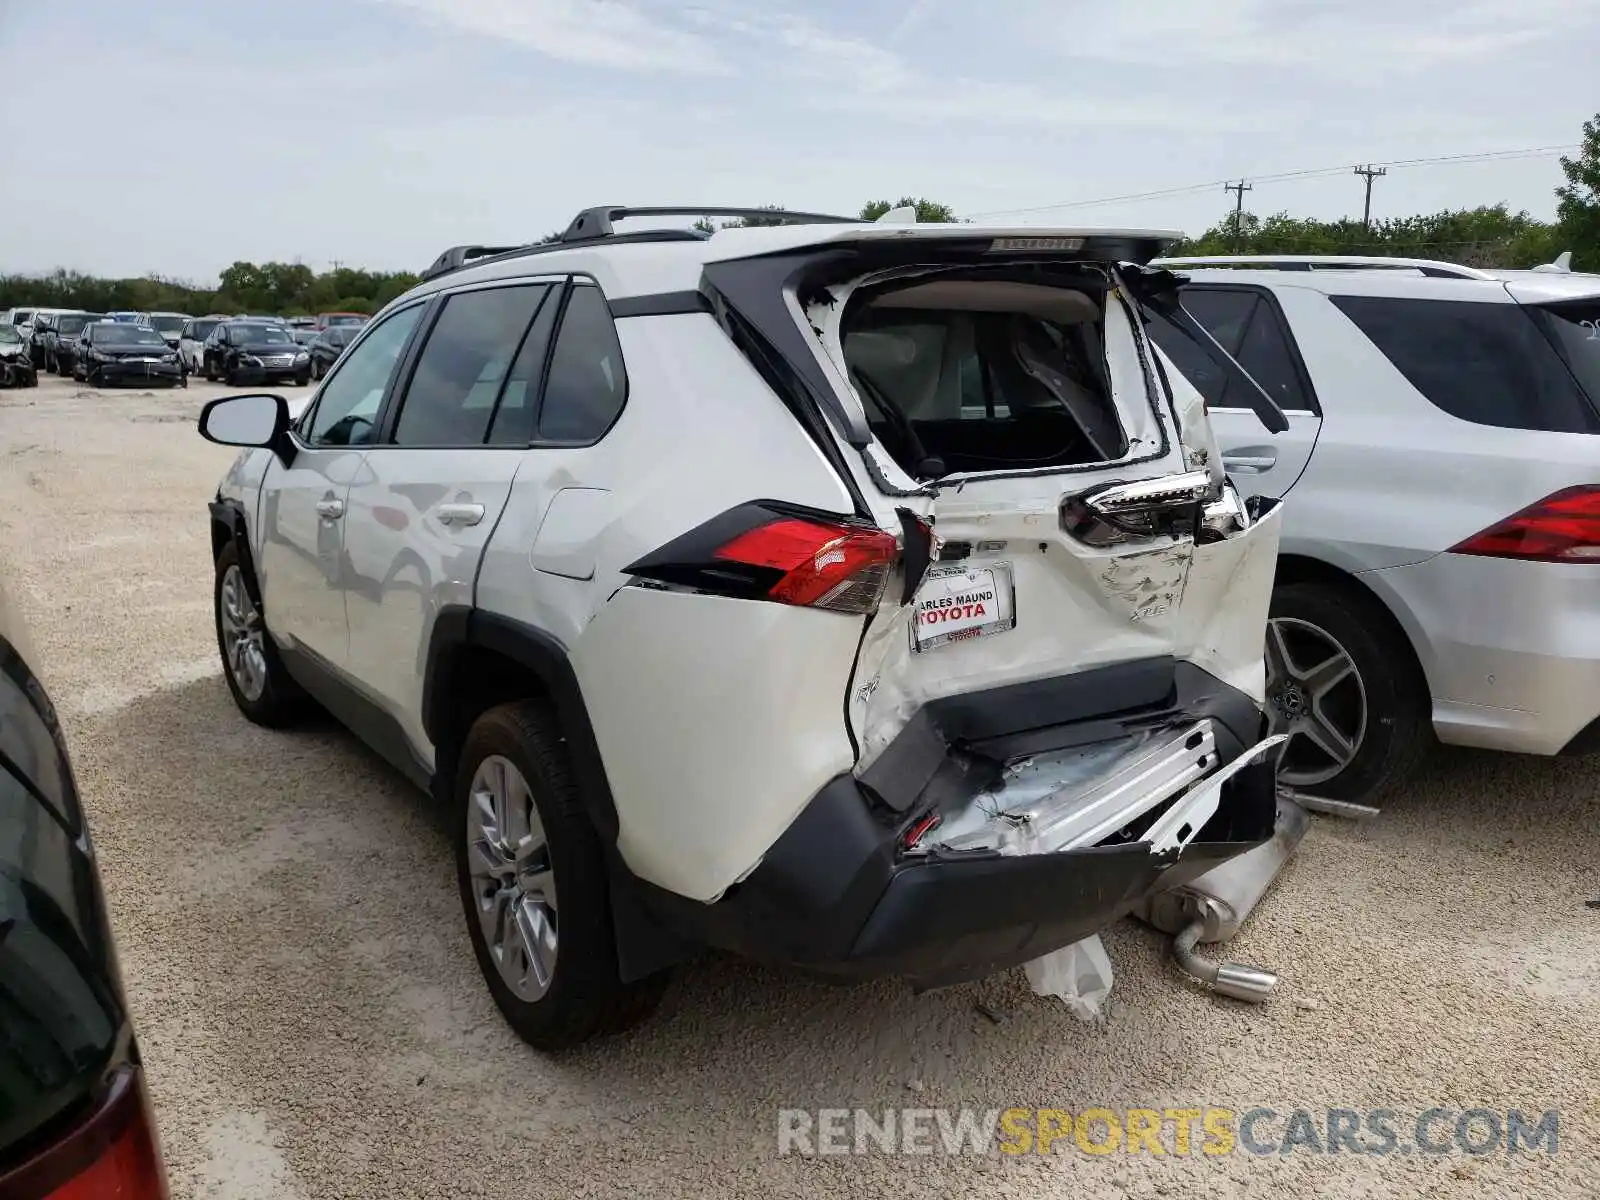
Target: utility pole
{"type": "Point", "coordinates": [1238, 211]}
{"type": "Point", "coordinates": [1369, 172]}
{"type": "Point", "coordinates": [338, 263]}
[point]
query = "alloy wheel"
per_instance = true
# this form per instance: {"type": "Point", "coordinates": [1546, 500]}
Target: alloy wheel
{"type": "Point", "coordinates": [513, 880]}
{"type": "Point", "coordinates": [242, 635]}
{"type": "Point", "coordinates": [1316, 695]}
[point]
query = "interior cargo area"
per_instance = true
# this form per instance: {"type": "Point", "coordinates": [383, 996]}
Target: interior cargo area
{"type": "Point", "coordinates": [968, 372]}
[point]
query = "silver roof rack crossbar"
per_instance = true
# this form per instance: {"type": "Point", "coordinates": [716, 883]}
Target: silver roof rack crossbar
{"type": "Point", "coordinates": [1331, 262]}
{"type": "Point", "coordinates": [597, 222]}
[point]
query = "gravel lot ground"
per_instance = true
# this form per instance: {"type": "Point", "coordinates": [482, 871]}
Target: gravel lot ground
{"type": "Point", "coordinates": [315, 1026]}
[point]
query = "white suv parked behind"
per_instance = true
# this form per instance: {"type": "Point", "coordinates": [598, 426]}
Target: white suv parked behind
{"type": "Point", "coordinates": [1440, 570]}
{"type": "Point", "coordinates": [865, 597]}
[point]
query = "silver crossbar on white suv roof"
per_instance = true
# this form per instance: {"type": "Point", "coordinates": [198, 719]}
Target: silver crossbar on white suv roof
{"type": "Point", "coordinates": [820, 591]}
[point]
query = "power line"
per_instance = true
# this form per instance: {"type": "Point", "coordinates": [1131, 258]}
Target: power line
{"type": "Point", "coordinates": [1284, 176]}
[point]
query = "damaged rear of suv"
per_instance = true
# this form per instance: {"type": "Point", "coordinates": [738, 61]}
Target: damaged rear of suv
{"type": "Point", "coordinates": [863, 597]}
{"type": "Point", "coordinates": [1054, 706]}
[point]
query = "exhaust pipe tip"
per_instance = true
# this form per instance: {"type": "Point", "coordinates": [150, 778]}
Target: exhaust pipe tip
{"type": "Point", "coordinates": [1243, 982]}
{"type": "Point", "coordinates": [1235, 980]}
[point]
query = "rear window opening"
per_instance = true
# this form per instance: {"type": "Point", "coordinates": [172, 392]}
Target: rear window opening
{"type": "Point", "coordinates": [963, 375]}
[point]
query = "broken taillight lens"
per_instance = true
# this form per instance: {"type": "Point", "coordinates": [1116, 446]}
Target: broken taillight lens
{"type": "Point", "coordinates": [1564, 527]}
{"type": "Point", "coordinates": [1115, 513]}
{"type": "Point", "coordinates": [836, 567]}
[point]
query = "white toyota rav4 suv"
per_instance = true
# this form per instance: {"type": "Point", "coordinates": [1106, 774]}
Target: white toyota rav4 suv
{"type": "Point", "coordinates": [865, 597]}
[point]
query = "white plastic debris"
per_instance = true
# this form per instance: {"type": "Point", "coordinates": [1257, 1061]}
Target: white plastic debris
{"type": "Point", "coordinates": [1079, 975]}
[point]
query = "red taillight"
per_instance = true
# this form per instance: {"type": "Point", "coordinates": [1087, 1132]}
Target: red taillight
{"type": "Point", "coordinates": [836, 567]}
{"type": "Point", "coordinates": [112, 1155]}
{"type": "Point", "coordinates": [1564, 527]}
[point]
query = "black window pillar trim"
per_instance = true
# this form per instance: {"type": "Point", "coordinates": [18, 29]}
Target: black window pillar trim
{"type": "Point", "coordinates": [757, 289]}
{"type": "Point", "coordinates": [388, 415]}
{"type": "Point", "coordinates": [798, 394]}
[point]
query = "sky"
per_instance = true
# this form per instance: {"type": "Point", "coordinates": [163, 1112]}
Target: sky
{"type": "Point", "coordinates": [178, 137]}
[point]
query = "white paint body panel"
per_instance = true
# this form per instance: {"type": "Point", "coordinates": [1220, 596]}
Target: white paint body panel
{"type": "Point", "coordinates": [565, 543]}
{"type": "Point", "coordinates": [718, 721]}
{"type": "Point", "coordinates": [403, 564]}
{"type": "Point", "coordinates": [300, 557]}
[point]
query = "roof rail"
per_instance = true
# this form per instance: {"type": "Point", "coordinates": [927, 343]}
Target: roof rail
{"type": "Point", "coordinates": [597, 222]}
{"type": "Point", "coordinates": [457, 257]}
{"type": "Point", "coordinates": [1334, 262]}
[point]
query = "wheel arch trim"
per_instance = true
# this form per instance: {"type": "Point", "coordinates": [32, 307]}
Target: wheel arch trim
{"type": "Point", "coordinates": [459, 629]}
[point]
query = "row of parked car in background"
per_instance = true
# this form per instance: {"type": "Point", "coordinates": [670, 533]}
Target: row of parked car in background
{"type": "Point", "coordinates": [106, 349]}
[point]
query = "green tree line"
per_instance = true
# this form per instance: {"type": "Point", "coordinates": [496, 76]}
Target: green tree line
{"type": "Point", "coordinates": [1486, 236]}
{"type": "Point", "coordinates": [286, 289]}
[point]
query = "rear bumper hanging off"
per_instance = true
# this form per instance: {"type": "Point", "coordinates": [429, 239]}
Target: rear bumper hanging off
{"type": "Point", "coordinates": [839, 894]}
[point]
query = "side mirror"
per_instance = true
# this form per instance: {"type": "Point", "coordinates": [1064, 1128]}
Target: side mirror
{"type": "Point", "coordinates": [253, 420]}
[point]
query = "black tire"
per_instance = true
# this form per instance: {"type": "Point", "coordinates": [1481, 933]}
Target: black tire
{"type": "Point", "coordinates": [230, 377]}
{"type": "Point", "coordinates": [211, 374]}
{"type": "Point", "coordinates": [281, 702]}
{"type": "Point", "coordinates": [316, 370]}
{"type": "Point", "coordinates": [585, 998]}
{"type": "Point", "coordinates": [94, 377]}
{"type": "Point", "coordinates": [303, 379]}
{"type": "Point", "coordinates": [1398, 726]}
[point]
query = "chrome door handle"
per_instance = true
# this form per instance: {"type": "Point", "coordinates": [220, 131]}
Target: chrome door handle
{"type": "Point", "coordinates": [1249, 464]}
{"type": "Point", "coordinates": [460, 514]}
{"type": "Point", "coordinates": [331, 509]}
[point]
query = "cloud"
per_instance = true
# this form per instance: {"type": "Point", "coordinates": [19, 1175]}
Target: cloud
{"type": "Point", "coordinates": [874, 80]}
{"type": "Point", "coordinates": [1351, 38]}
{"type": "Point", "coordinates": [600, 33]}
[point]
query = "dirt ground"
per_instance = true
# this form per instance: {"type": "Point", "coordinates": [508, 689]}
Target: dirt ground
{"type": "Point", "coordinates": [314, 1023]}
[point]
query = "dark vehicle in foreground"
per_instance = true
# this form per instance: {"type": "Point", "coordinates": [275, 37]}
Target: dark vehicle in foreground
{"type": "Point", "coordinates": [61, 342]}
{"type": "Point", "coordinates": [75, 1118]}
{"type": "Point", "coordinates": [16, 366]}
{"type": "Point", "coordinates": [109, 353]}
{"type": "Point", "coordinates": [326, 347]}
{"type": "Point", "coordinates": [254, 349]}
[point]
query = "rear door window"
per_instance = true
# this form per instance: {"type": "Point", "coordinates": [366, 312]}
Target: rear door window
{"type": "Point", "coordinates": [515, 416]}
{"type": "Point", "coordinates": [1247, 324]}
{"type": "Point", "coordinates": [451, 397]}
{"type": "Point", "coordinates": [1485, 363]}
